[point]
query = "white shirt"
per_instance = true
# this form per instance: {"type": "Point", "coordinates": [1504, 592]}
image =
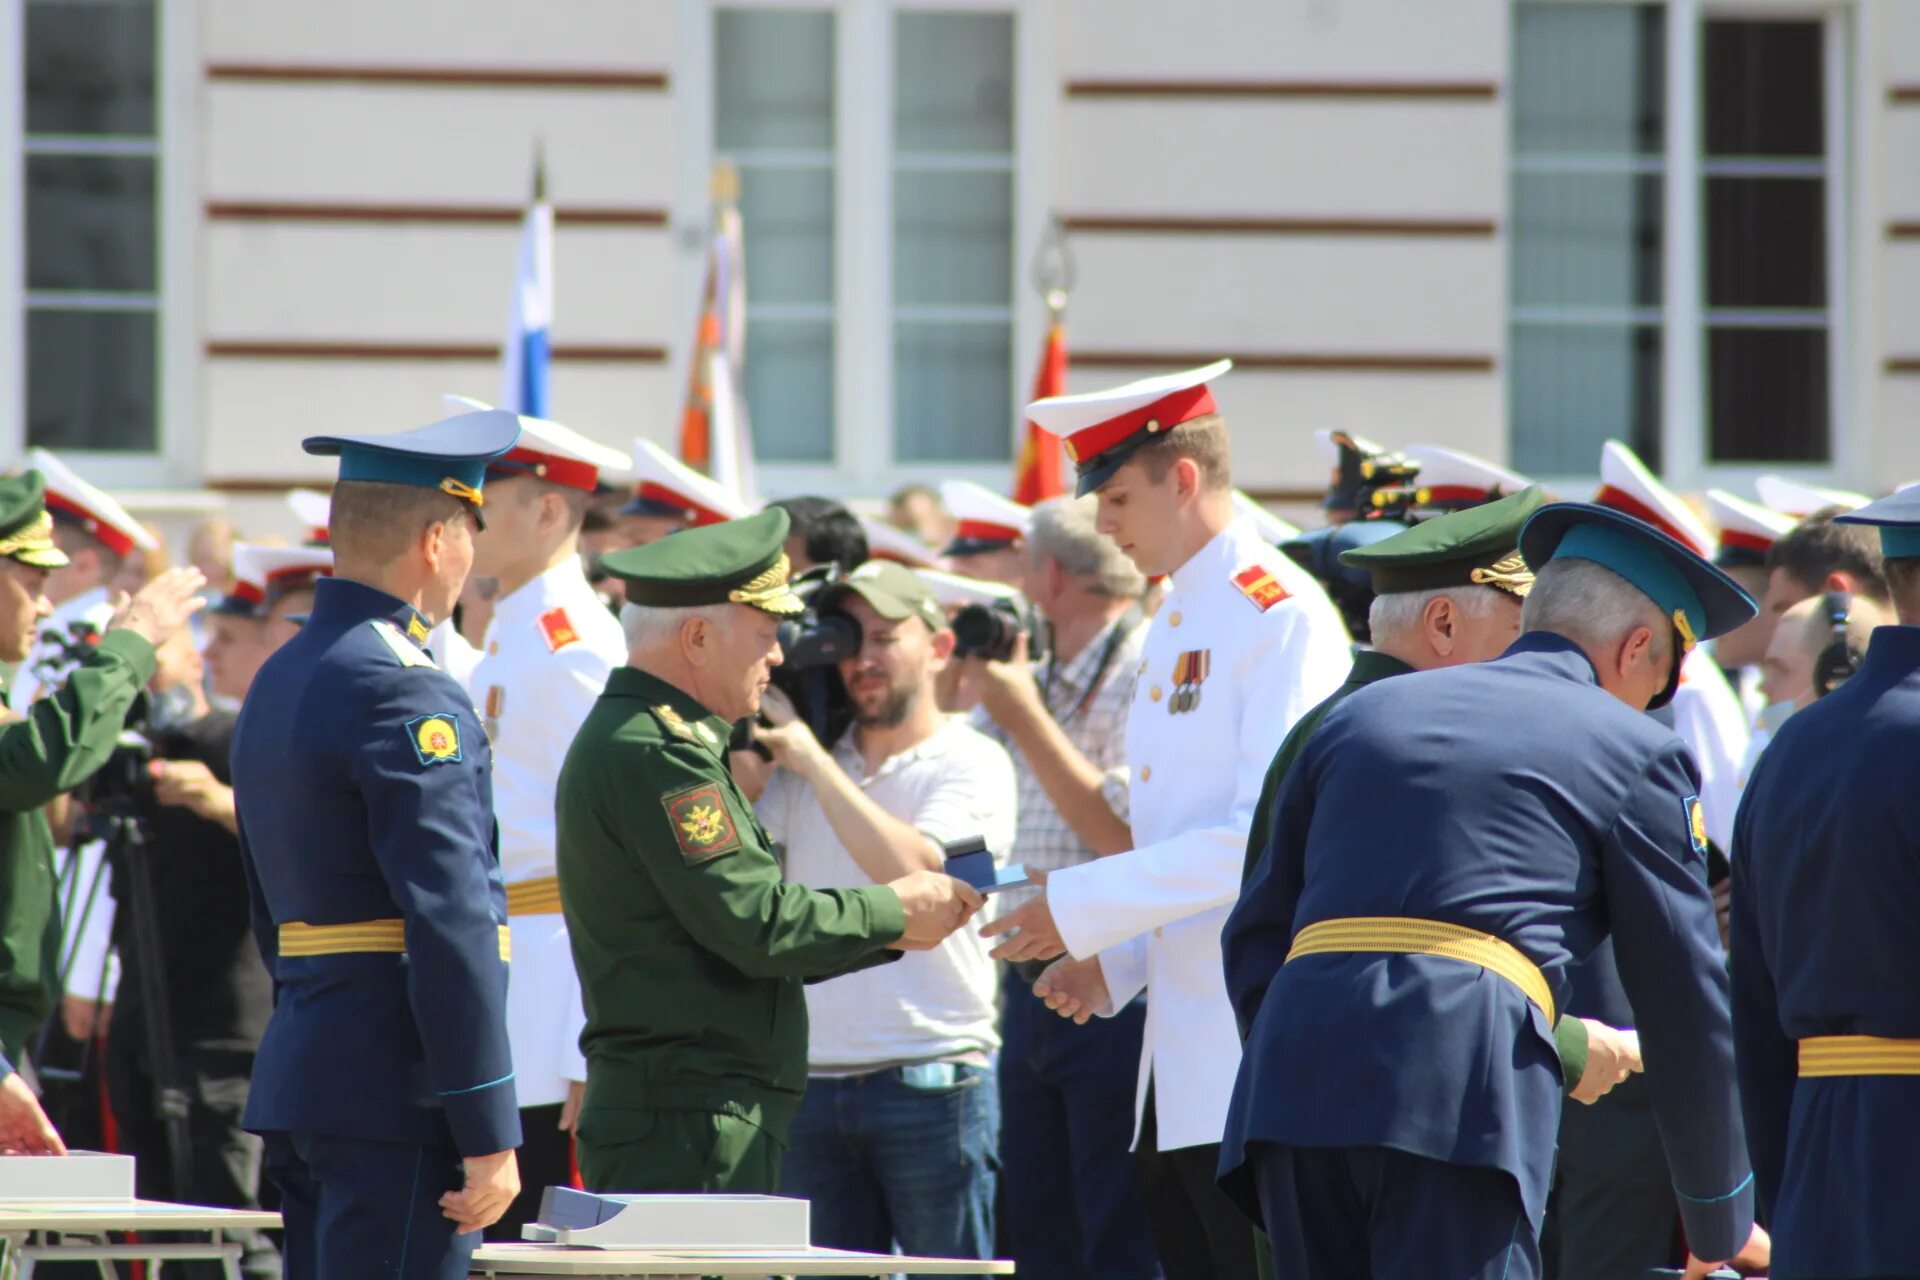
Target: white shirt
{"type": "Point", "coordinates": [1707, 716]}
{"type": "Point", "coordinates": [545, 659]}
{"type": "Point", "coordinates": [928, 1006]}
{"type": "Point", "coordinates": [1153, 914]}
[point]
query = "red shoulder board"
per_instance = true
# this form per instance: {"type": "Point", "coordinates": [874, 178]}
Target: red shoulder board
{"type": "Point", "coordinates": [1259, 586]}
{"type": "Point", "coordinates": [557, 629]}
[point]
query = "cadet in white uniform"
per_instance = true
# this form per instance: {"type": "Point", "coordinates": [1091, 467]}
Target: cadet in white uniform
{"type": "Point", "coordinates": [542, 664]}
{"type": "Point", "coordinates": [1244, 643]}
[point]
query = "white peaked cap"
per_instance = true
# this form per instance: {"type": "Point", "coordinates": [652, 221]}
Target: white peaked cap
{"type": "Point", "coordinates": [313, 509]}
{"type": "Point", "coordinates": [955, 591]}
{"type": "Point", "coordinates": [1799, 499]}
{"type": "Point", "coordinates": [1443, 468]}
{"type": "Point", "coordinates": [1627, 485]}
{"type": "Point", "coordinates": [661, 477]}
{"type": "Point", "coordinates": [981, 515]}
{"type": "Point", "coordinates": [543, 443]}
{"type": "Point", "coordinates": [103, 517]}
{"type": "Point", "coordinates": [884, 542]}
{"type": "Point", "coordinates": [1746, 525]}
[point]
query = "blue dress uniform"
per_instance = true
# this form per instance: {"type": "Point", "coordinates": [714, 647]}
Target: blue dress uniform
{"type": "Point", "coordinates": [1826, 1012]}
{"type": "Point", "coordinates": [361, 772]}
{"type": "Point", "coordinates": [1396, 961]}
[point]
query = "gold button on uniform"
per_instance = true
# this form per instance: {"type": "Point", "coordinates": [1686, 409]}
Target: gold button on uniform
{"type": "Point", "coordinates": [1146, 771]}
{"type": "Point", "coordinates": [1153, 694]}
{"type": "Point", "coordinates": [1174, 621]}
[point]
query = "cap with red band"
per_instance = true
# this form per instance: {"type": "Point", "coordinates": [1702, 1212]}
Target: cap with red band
{"type": "Point", "coordinates": [666, 486]}
{"type": "Point", "coordinates": [1454, 481]}
{"type": "Point", "coordinates": [314, 511]}
{"type": "Point", "coordinates": [72, 501]}
{"type": "Point", "coordinates": [550, 451]}
{"type": "Point", "coordinates": [262, 574]}
{"type": "Point", "coordinates": [884, 542]}
{"type": "Point", "coordinates": [1101, 429]}
{"type": "Point", "coordinates": [983, 521]}
{"type": "Point", "coordinates": [1747, 529]}
{"type": "Point", "coordinates": [1627, 485]}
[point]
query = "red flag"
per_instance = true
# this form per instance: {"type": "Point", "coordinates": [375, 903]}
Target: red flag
{"type": "Point", "coordinates": [1040, 474]}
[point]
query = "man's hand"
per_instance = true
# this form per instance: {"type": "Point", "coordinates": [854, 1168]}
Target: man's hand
{"type": "Point", "coordinates": [1007, 689]}
{"type": "Point", "coordinates": [83, 1018]}
{"type": "Point", "coordinates": [24, 1127]}
{"type": "Point", "coordinates": [1612, 1056]}
{"type": "Point", "coordinates": [570, 1109]}
{"type": "Point", "coordinates": [1750, 1261]}
{"type": "Point", "coordinates": [492, 1183]}
{"type": "Point", "coordinates": [936, 904]}
{"type": "Point", "coordinates": [1037, 936]}
{"type": "Point", "coordinates": [790, 738]}
{"type": "Point", "coordinates": [189, 784]}
{"type": "Point", "coordinates": [1074, 989]}
{"type": "Point", "coordinates": [161, 607]}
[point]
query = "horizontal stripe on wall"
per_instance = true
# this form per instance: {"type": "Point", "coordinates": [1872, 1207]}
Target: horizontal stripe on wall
{"type": "Point", "coordinates": [564, 215]}
{"type": "Point", "coordinates": [458, 77]}
{"type": "Point", "coordinates": [1363, 90]}
{"type": "Point", "coordinates": [1132, 224]}
{"type": "Point", "coordinates": [1287, 361]}
{"type": "Point", "coordinates": [262, 484]}
{"type": "Point", "coordinates": [1903, 365]}
{"type": "Point", "coordinates": [1904, 95]}
{"type": "Point", "coordinates": [599, 353]}
{"type": "Point", "coordinates": [1903, 231]}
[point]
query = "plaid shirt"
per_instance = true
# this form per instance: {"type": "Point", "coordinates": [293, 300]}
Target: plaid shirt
{"type": "Point", "coordinates": [1095, 720]}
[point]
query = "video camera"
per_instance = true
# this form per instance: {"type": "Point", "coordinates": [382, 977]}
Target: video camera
{"type": "Point", "coordinates": [992, 631]}
{"type": "Point", "coordinates": [813, 644]}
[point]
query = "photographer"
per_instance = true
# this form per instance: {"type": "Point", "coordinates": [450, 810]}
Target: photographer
{"type": "Point", "coordinates": [896, 1140]}
{"type": "Point", "coordinates": [1067, 1091]}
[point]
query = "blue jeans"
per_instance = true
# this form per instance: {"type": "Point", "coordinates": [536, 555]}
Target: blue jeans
{"type": "Point", "coordinates": [1073, 1204]}
{"type": "Point", "coordinates": [899, 1157]}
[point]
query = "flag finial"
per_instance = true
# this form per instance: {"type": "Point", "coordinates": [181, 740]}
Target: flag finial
{"type": "Point", "coordinates": [1053, 270]}
{"type": "Point", "coordinates": [724, 185]}
{"type": "Point", "coordinates": [539, 171]}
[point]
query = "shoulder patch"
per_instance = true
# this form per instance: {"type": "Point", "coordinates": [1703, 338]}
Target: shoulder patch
{"type": "Point", "coordinates": [701, 824]}
{"type": "Point", "coordinates": [409, 653]}
{"type": "Point", "coordinates": [436, 737]}
{"type": "Point", "coordinates": [1260, 586]}
{"type": "Point", "coordinates": [674, 722]}
{"type": "Point", "coordinates": [558, 629]}
{"type": "Point", "coordinates": [1696, 823]}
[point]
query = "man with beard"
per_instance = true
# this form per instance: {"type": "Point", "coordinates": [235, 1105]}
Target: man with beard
{"type": "Point", "coordinates": [897, 1138]}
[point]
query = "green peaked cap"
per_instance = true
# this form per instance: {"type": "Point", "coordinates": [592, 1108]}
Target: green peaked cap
{"type": "Point", "coordinates": [1475, 547]}
{"type": "Point", "coordinates": [735, 562]}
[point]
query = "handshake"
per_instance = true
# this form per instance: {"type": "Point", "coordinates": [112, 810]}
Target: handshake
{"type": "Point", "coordinates": [935, 904]}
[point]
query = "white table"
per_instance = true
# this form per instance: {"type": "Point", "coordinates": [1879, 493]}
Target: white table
{"type": "Point", "coordinates": [32, 1232]}
{"type": "Point", "coordinates": [520, 1261]}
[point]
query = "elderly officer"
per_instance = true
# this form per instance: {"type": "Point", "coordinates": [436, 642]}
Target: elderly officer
{"type": "Point", "coordinates": [54, 744]}
{"type": "Point", "coordinates": [691, 950]}
{"type": "Point", "coordinates": [1244, 643]}
{"type": "Point", "coordinates": [384, 1084]}
{"type": "Point", "coordinates": [1397, 959]}
{"type": "Point", "coordinates": [545, 657]}
{"type": "Point", "coordinates": [1826, 1014]}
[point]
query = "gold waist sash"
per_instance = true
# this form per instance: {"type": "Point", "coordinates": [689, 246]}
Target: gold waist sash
{"type": "Point", "coordinates": [388, 937]}
{"type": "Point", "coordinates": [1859, 1056]}
{"type": "Point", "coordinates": [1406, 936]}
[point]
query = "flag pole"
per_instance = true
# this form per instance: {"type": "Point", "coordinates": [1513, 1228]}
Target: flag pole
{"type": "Point", "coordinates": [1040, 472]}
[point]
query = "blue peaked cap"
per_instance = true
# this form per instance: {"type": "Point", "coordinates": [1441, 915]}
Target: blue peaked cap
{"type": "Point", "coordinates": [450, 455]}
{"type": "Point", "coordinates": [1897, 516]}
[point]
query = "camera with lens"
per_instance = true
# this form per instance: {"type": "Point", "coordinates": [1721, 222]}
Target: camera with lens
{"type": "Point", "coordinates": [993, 630]}
{"type": "Point", "coordinates": [123, 786]}
{"type": "Point", "coordinates": [812, 645]}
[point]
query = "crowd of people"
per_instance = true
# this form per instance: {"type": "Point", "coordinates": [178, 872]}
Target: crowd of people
{"type": "Point", "coordinates": [1357, 900]}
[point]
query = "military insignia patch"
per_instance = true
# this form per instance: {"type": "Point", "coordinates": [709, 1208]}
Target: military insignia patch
{"type": "Point", "coordinates": [1259, 586]}
{"type": "Point", "coordinates": [1189, 670]}
{"type": "Point", "coordinates": [417, 629]}
{"type": "Point", "coordinates": [558, 629]}
{"type": "Point", "coordinates": [1696, 824]}
{"type": "Point", "coordinates": [672, 719]}
{"type": "Point", "coordinates": [410, 654]}
{"type": "Point", "coordinates": [436, 738]}
{"type": "Point", "coordinates": [700, 821]}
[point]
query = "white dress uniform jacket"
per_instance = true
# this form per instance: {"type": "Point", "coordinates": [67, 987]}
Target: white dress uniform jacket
{"type": "Point", "coordinates": [545, 659]}
{"type": "Point", "coordinates": [1266, 645]}
{"type": "Point", "coordinates": [1708, 717]}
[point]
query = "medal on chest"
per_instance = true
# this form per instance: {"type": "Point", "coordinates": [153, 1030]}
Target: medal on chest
{"type": "Point", "coordinates": [1189, 672]}
{"type": "Point", "coordinates": [496, 703]}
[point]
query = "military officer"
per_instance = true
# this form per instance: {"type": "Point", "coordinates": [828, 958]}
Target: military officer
{"type": "Point", "coordinates": [691, 949]}
{"type": "Point", "coordinates": [1244, 643]}
{"type": "Point", "coordinates": [50, 746]}
{"type": "Point", "coordinates": [989, 533]}
{"type": "Point", "coordinates": [363, 776]}
{"type": "Point", "coordinates": [1826, 1015]}
{"type": "Point", "coordinates": [1397, 960]}
{"type": "Point", "coordinates": [544, 659]}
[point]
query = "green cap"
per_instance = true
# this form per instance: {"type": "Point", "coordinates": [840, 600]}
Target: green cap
{"type": "Point", "coordinates": [26, 530]}
{"type": "Point", "coordinates": [736, 562]}
{"type": "Point", "coordinates": [1475, 547]}
{"type": "Point", "coordinates": [894, 591]}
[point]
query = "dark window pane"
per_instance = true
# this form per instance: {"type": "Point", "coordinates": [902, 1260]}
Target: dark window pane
{"type": "Point", "coordinates": [1762, 93]}
{"type": "Point", "coordinates": [773, 80]}
{"type": "Point", "coordinates": [953, 82]}
{"type": "Point", "coordinates": [952, 392]}
{"type": "Point", "coordinates": [1766, 242]}
{"type": "Point", "coordinates": [790, 390]}
{"type": "Point", "coordinates": [90, 223]}
{"type": "Point", "coordinates": [1589, 79]}
{"type": "Point", "coordinates": [1586, 239]}
{"type": "Point", "coordinates": [91, 380]}
{"type": "Point", "coordinates": [1768, 395]}
{"type": "Point", "coordinates": [1575, 386]}
{"type": "Point", "coordinates": [90, 67]}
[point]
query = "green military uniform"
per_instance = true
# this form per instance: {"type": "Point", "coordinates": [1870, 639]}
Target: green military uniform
{"type": "Point", "coordinates": [691, 948]}
{"type": "Point", "coordinates": [45, 751]}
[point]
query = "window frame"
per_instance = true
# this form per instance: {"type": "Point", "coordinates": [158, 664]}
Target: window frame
{"type": "Point", "coordinates": [174, 460]}
{"type": "Point", "coordinates": [1684, 424]}
{"type": "Point", "coordinates": [864, 462]}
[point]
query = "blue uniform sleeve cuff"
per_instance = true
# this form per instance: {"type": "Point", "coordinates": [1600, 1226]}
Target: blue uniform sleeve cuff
{"type": "Point", "coordinates": [484, 1119]}
{"type": "Point", "coordinates": [1718, 1226]}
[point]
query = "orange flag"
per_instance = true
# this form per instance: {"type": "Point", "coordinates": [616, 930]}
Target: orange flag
{"type": "Point", "coordinates": [1041, 474]}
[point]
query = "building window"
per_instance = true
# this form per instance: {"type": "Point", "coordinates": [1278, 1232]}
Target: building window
{"type": "Point", "coordinates": [1596, 296]}
{"type": "Point", "coordinates": [91, 183]}
{"type": "Point", "coordinates": [906, 162]}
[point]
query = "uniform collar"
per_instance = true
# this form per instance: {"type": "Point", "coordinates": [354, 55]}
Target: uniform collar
{"type": "Point", "coordinates": [1569, 658]}
{"type": "Point", "coordinates": [559, 585]}
{"type": "Point", "coordinates": [1370, 665]}
{"type": "Point", "coordinates": [1214, 562]}
{"type": "Point", "coordinates": [344, 601]}
{"type": "Point", "coordinates": [644, 686]}
{"type": "Point", "coordinates": [1893, 650]}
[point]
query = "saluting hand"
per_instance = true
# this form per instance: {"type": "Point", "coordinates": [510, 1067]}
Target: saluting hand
{"type": "Point", "coordinates": [161, 607]}
{"type": "Point", "coordinates": [1035, 934]}
{"type": "Point", "coordinates": [24, 1127]}
{"type": "Point", "coordinates": [492, 1183]}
